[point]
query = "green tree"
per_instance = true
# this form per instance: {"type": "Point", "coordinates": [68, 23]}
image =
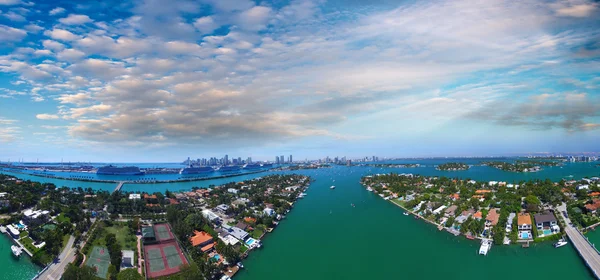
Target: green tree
{"type": "Point", "coordinates": [73, 272]}
{"type": "Point", "coordinates": [129, 274]}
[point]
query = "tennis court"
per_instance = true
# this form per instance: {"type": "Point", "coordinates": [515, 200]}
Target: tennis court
{"type": "Point", "coordinates": [163, 259]}
{"type": "Point", "coordinates": [173, 258]}
{"type": "Point", "coordinates": [163, 232]}
{"type": "Point", "coordinates": [100, 260]}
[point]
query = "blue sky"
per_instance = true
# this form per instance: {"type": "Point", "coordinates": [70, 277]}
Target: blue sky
{"type": "Point", "coordinates": [162, 80]}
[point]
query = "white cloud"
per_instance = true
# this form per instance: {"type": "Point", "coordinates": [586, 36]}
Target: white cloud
{"type": "Point", "coordinates": [74, 19]}
{"type": "Point", "coordinates": [254, 18]}
{"type": "Point", "coordinates": [574, 8]}
{"type": "Point", "coordinates": [10, 34]}
{"type": "Point", "coordinates": [61, 34]}
{"type": "Point", "coordinates": [34, 28]}
{"type": "Point", "coordinates": [42, 52]}
{"type": "Point", "coordinates": [47, 117]}
{"type": "Point", "coordinates": [78, 99]}
{"type": "Point", "coordinates": [70, 55]}
{"type": "Point", "coordinates": [206, 24]}
{"type": "Point", "coordinates": [56, 11]}
{"type": "Point", "coordinates": [12, 16]}
{"type": "Point", "coordinates": [9, 2]}
{"type": "Point", "coordinates": [53, 45]}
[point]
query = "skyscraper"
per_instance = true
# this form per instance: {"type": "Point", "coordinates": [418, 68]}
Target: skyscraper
{"type": "Point", "coordinates": [290, 161]}
{"type": "Point", "coordinates": [276, 160]}
{"type": "Point", "coordinates": [226, 160]}
{"type": "Point", "coordinates": [281, 159]}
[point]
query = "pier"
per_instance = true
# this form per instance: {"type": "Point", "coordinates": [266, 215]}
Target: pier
{"type": "Point", "coordinates": [587, 250]}
{"type": "Point", "coordinates": [119, 186]}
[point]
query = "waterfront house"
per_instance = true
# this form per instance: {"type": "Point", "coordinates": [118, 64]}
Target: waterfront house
{"type": "Point", "coordinates": [203, 240]}
{"type": "Point", "coordinates": [464, 216]}
{"type": "Point", "coordinates": [31, 216]}
{"type": "Point", "coordinates": [583, 187]}
{"type": "Point", "coordinates": [236, 232]}
{"type": "Point", "coordinates": [492, 217]}
{"type": "Point", "coordinates": [127, 259]}
{"type": "Point", "coordinates": [133, 196]}
{"type": "Point", "coordinates": [451, 211]}
{"type": "Point", "coordinates": [593, 207]}
{"type": "Point", "coordinates": [509, 221]}
{"type": "Point", "coordinates": [524, 225]}
{"type": "Point", "coordinates": [269, 212]}
{"type": "Point", "coordinates": [439, 209]}
{"type": "Point", "coordinates": [146, 196]}
{"type": "Point", "coordinates": [546, 223]}
{"type": "Point", "coordinates": [242, 225]}
{"type": "Point", "coordinates": [482, 192]}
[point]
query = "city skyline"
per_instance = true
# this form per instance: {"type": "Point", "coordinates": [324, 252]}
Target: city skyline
{"type": "Point", "coordinates": [141, 81]}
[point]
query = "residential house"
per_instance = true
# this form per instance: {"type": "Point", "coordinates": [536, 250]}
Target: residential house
{"type": "Point", "coordinates": [492, 217]}
{"type": "Point", "coordinates": [464, 216]}
{"type": "Point", "coordinates": [478, 215]}
{"type": "Point", "coordinates": [524, 225]}
{"type": "Point", "coordinates": [509, 221]}
{"type": "Point", "coordinates": [544, 222]}
{"type": "Point", "coordinates": [593, 207]}
{"type": "Point", "coordinates": [211, 216]}
{"type": "Point", "coordinates": [203, 240]}
{"type": "Point", "coordinates": [236, 232]}
{"type": "Point", "coordinates": [439, 209]}
{"type": "Point", "coordinates": [454, 197]}
{"type": "Point", "coordinates": [269, 212]}
{"type": "Point", "coordinates": [133, 196]}
{"type": "Point", "coordinates": [232, 190]}
{"type": "Point", "coordinates": [222, 208]}
{"type": "Point", "coordinates": [241, 225]}
{"type": "Point", "coordinates": [583, 187]}
{"type": "Point", "coordinates": [451, 211]}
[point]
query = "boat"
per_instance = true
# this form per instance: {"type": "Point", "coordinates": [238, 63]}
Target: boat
{"type": "Point", "coordinates": [370, 189]}
{"type": "Point", "coordinates": [16, 250]}
{"type": "Point", "coordinates": [405, 213]}
{"type": "Point", "coordinates": [115, 170]}
{"type": "Point", "coordinates": [561, 242]}
{"type": "Point", "coordinates": [253, 166]}
{"type": "Point", "coordinates": [240, 265]}
{"type": "Point", "coordinates": [470, 237]}
{"type": "Point", "coordinates": [332, 187]}
{"type": "Point", "coordinates": [229, 168]}
{"type": "Point", "coordinates": [485, 247]}
{"type": "Point", "coordinates": [353, 205]}
{"type": "Point", "coordinates": [196, 170]}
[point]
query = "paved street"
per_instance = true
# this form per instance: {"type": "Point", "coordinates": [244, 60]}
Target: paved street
{"type": "Point", "coordinates": [587, 252]}
{"type": "Point", "coordinates": [66, 256]}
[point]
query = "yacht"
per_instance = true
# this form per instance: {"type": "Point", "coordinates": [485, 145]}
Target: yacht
{"type": "Point", "coordinates": [332, 187]}
{"type": "Point", "coordinates": [16, 250]}
{"type": "Point", "coordinates": [370, 189]}
{"type": "Point", "coordinates": [486, 245]}
{"type": "Point", "coordinates": [561, 242]}
{"type": "Point", "coordinates": [240, 265]}
{"type": "Point", "coordinates": [406, 214]}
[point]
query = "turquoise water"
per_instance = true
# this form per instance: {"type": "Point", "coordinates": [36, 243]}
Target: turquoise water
{"type": "Point", "coordinates": [12, 268]}
{"type": "Point", "coordinates": [324, 237]}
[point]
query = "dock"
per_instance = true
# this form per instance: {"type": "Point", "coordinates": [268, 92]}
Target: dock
{"type": "Point", "coordinates": [586, 250]}
{"type": "Point", "coordinates": [119, 186]}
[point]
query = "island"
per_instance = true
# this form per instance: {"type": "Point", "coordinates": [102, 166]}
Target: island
{"type": "Point", "coordinates": [518, 166]}
{"type": "Point", "coordinates": [209, 230]}
{"type": "Point", "coordinates": [453, 166]}
{"type": "Point", "coordinates": [392, 165]}
{"type": "Point", "coordinates": [302, 167]}
{"type": "Point", "coordinates": [497, 212]}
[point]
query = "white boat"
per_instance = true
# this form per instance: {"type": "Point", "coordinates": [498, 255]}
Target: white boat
{"type": "Point", "coordinates": [486, 245]}
{"type": "Point", "coordinates": [405, 213]}
{"type": "Point", "coordinates": [332, 187]}
{"type": "Point", "coordinates": [16, 250]}
{"type": "Point", "coordinates": [240, 265]}
{"type": "Point", "coordinates": [560, 243]}
{"type": "Point", "coordinates": [370, 189]}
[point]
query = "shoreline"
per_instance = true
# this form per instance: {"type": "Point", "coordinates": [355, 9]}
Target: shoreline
{"type": "Point", "coordinates": [136, 182]}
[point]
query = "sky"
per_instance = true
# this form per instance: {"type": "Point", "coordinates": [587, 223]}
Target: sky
{"type": "Point", "coordinates": [158, 81]}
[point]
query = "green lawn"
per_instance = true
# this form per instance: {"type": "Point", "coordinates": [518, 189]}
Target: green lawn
{"type": "Point", "coordinates": [256, 233]}
{"type": "Point", "coordinates": [127, 240]}
{"type": "Point", "coordinates": [65, 240]}
{"type": "Point", "coordinates": [28, 243]}
{"type": "Point", "coordinates": [23, 234]}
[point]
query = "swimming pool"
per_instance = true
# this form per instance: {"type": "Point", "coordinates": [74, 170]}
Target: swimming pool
{"type": "Point", "coordinates": [20, 226]}
{"type": "Point", "coordinates": [524, 235]}
{"type": "Point", "coordinates": [250, 241]}
{"type": "Point", "coordinates": [217, 257]}
{"type": "Point", "coordinates": [547, 232]}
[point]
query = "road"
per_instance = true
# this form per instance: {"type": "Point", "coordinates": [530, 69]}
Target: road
{"type": "Point", "coordinates": [66, 257]}
{"type": "Point", "coordinates": [585, 249]}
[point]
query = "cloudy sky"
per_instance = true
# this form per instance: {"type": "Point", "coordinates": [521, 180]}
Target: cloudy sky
{"type": "Point", "coordinates": [157, 80]}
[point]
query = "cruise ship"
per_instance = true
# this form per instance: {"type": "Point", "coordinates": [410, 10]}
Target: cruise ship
{"type": "Point", "coordinates": [114, 170]}
{"type": "Point", "coordinates": [196, 170]}
{"type": "Point", "coordinates": [229, 168]}
{"type": "Point", "coordinates": [267, 165]}
{"type": "Point", "coordinates": [253, 166]}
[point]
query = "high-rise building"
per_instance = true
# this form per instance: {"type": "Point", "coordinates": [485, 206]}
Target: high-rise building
{"type": "Point", "coordinates": [276, 160]}
{"type": "Point", "coordinates": [290, 161]}
{"type": "Point", "coordinates": [281, 159]}
{"type": "Point", "coordinates": [226, 160]}
{"type": "Point", "coordinates": [249, 160]}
